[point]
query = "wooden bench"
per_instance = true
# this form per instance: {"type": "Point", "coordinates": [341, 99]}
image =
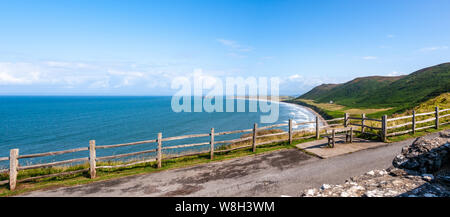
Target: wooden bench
{"type": "Point", "coordinates": [331, 137]}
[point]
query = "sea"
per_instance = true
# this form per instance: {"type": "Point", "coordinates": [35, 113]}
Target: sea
{"type": "Point", "coordinates": [37, 124]}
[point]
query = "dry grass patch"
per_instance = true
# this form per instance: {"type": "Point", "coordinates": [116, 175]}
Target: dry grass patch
{"type": "Point", "coordinates": [365, 111]}
{"type": "Point", "coordinates": [326, 106]}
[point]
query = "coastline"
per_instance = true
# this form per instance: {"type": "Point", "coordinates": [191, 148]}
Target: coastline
{"type": "Point", "coordinates": [321, 119]}
{"type": "Point", "coordinates": [282, 100]}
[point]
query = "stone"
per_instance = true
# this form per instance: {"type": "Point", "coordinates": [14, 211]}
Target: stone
{"type": "Point", "coordinates": [429, 195]}
{"type": "Point", "coordinates": [411, 174]}
{"type": "Point", "coordinates": [325, 186]}
{"type": "Point", "coordinates": [427, 177]}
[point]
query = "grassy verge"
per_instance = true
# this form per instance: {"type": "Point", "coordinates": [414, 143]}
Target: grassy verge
{"type": "Point", "coordinates": [417, 134]}
{"type": "Point", "coordinates": [106, 174]}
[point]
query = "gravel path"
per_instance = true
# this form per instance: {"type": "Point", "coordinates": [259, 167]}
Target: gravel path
{"type": "Point", "coordinates": [284, 172]}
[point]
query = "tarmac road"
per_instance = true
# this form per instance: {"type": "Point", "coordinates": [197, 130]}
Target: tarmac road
{"type": "Point", "coordinates": [284, 172]}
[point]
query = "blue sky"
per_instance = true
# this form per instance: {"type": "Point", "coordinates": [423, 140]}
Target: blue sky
{"type": "Point", "coordinates": [137, 47]}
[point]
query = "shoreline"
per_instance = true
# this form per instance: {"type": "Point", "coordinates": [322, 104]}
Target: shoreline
{"type": "Point", "coordinates": [321, 119]}
{"type": "Point", "coordinates": [280, 100]}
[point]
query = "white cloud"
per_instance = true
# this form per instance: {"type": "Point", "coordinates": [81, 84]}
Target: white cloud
{"type": "Point", "coordinates": [395, 73]}
{"type": "Point", "coordinates": [370, 58]}
{"type": "Point", "coordinates": [18, 73]}
{"type": "Point", "coordinates": [297, 83]}
{"type": "Point", "coordinates": [126, 73]}
{"type": "Point", "coordinates": [294, 77]}
{"type": "Point", "coordinates": [390, 36]}
{"type": "Point", "coordinates": [101, 84]}
{"type": "Point", "coordinates": [433, 48]}
{"type": "Point", "coordinates": [235, 48]}
{"type": "Point", "coordinates": [228, 43]}
{"type": "Point", "coordinates": [81, 75]}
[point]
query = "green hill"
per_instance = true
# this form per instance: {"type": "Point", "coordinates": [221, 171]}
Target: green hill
{"type": "Point", "coordinates": [399, 93]}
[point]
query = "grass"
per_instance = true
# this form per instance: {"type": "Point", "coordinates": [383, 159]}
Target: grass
{"type": "Point", "coordinates": [324, 106]}
{"type": "Point", "coordinates": [417, 134]}
{"type": "Point", "coordinates": [335, 110]}
{"type": "Point", "coordinates": [144, 168]}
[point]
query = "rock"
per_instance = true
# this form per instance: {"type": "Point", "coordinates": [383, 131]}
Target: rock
{"type": "Point", "coordinates": [424, 155]}
{"type": "Point", "coordinates": [445, 134]}
{"type": "Point", "coordinates": [344, 194]}
{"type": "Point", "coordinates": [412, 174]}
{"type": "Point", "coordinates": [427, 177]}
{"type": "Point", "coordinates": [311, 192]}
{"type": "Point", "coordinates": [382, 172]}
{"type": "Point", "coordinates": [325, 186]}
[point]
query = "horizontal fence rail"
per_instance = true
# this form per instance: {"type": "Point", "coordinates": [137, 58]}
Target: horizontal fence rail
{"type": "Point", "coordinates": [125, 144]}
{"type": "Point", "coordinates": [253, 140]}
{"type": "Point", "coordinates": [52, 153]}
{"type": "Point", "coordinates": [414, 121]}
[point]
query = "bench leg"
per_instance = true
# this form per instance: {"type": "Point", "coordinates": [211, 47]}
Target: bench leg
{"type": "Point", "coordinates": [333, 136]}
{"type": "Point", "coordinates": [351, 135]}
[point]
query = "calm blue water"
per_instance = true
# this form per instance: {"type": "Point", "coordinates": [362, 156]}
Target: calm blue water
{"type": "Point", "coordinates": [41, 124]}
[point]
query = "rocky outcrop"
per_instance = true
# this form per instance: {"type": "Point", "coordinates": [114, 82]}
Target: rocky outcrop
{"type": "Point", "coordinates": [425, 156]}
{"type": "Point", "coordinates": [421, 170]}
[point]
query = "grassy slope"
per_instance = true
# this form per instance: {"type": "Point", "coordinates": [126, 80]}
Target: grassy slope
{"type": "Point", "coordinates": [415, 88]}
{"type": "Point", "coordinates": [352, 92]}
{"type": "Point", "coordinates": [395, 94]}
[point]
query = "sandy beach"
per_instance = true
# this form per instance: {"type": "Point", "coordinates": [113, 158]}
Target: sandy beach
{"type": "Point", "coordinates": [280, 99]}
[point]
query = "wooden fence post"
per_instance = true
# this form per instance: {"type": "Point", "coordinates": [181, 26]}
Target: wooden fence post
{"type": "Point", "coordinates": [363, 116]}
{"type": "Point", "coordinates": [345, 119]}
{"type": "Point", "coordinates": [317, 128]}
{"type": "Point", "coordinates": [13, 164]}
{"type": "Point", "coordinates": [384, 128]}
{"type": "Point", "coordinates": [255, 126]}
{"type": "Point", "coordinates": [413, 122]}
{"type": "Point", "coordinates": [290, 131]}
{"type": "Point", "coordinates": [212, 144]}
{"type": "Point", "coordinates": [437, 117]}
{"type": "Point", "coordinates": [159, 155]}
{"type": "Point", "coordinates": [92, 161]}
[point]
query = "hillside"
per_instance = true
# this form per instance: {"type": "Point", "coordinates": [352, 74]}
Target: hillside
{"type": "Point", "coordinates": [319, 91]}
{"type": "Point", "coordinates": [401, 92]}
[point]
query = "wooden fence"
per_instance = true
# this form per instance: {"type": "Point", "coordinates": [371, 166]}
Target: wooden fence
{"type": "Point", "coordinates": [387, 127]}
{"type": "Point", "coordinates": [14, 156]}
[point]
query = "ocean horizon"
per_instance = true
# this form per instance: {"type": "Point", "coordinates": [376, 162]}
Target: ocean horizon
{"type": "Point", "coordinates": [36, 124]}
